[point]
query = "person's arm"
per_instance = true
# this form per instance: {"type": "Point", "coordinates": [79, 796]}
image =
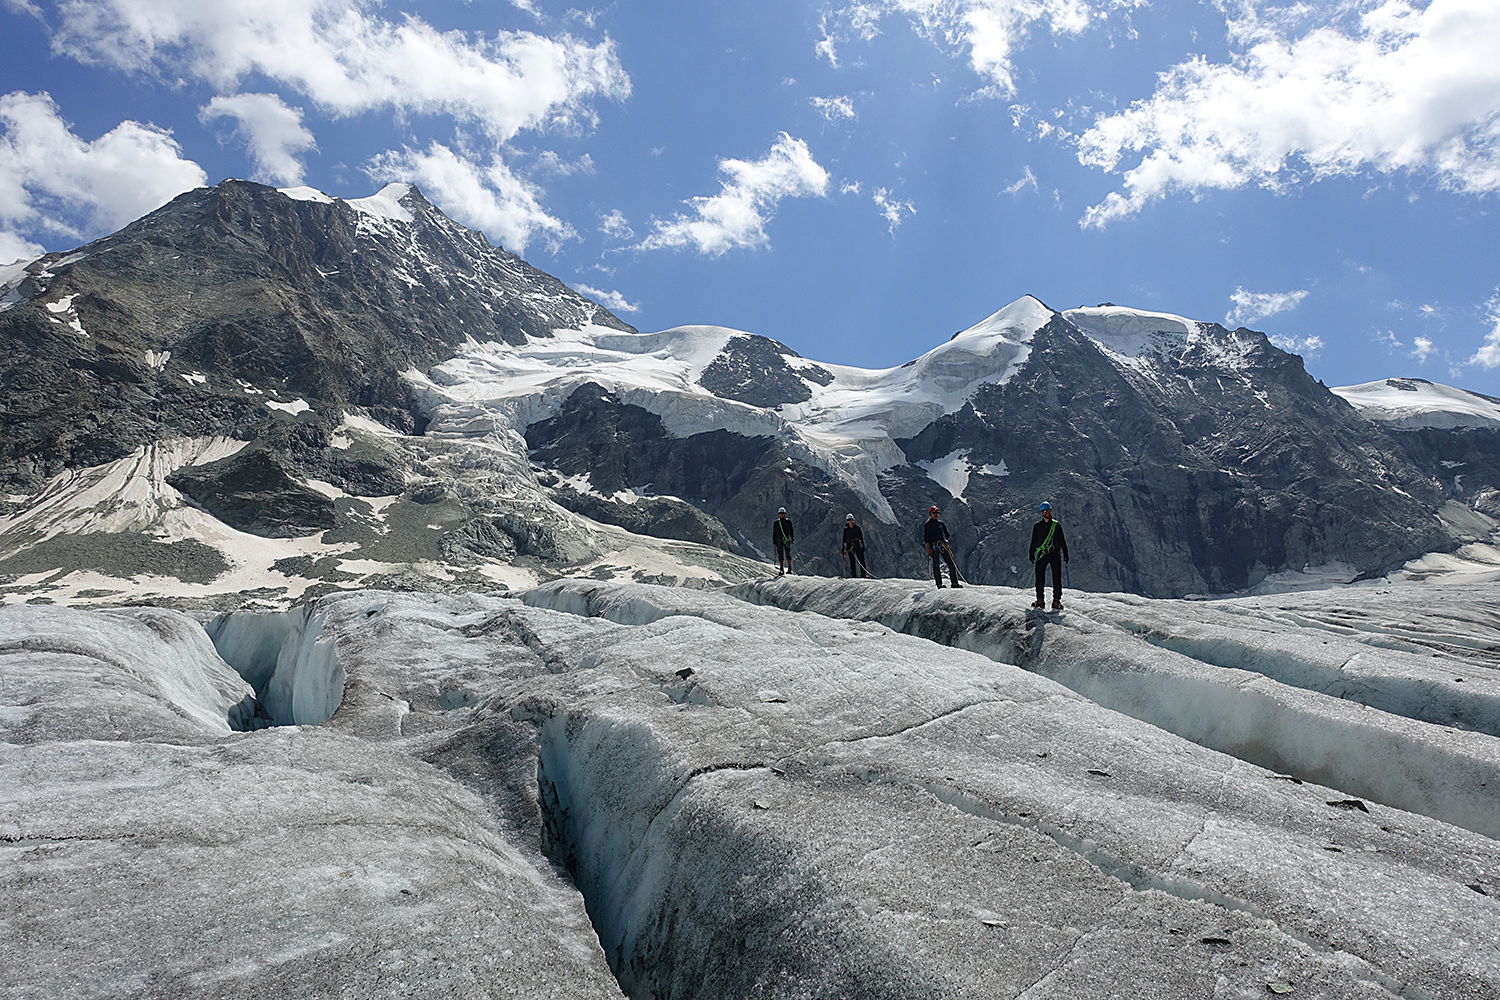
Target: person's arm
{"type": "Point", "coordinates": [1062, 542]}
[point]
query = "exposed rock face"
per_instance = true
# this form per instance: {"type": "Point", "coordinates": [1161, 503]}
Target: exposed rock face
{"type": "Point", "coordinates": [206, 315]}
{"type": "Point", "coordinates": [754, 370]}
{"type": "Point", "coordinates": [1176, 476]}
{"type": "Point", "coordinates": [252, 492]}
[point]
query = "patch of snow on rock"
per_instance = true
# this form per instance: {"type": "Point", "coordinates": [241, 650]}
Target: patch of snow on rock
{"type": "Point", "coordinates": [295, 407]}
{"type": "Point", "coordinates": [951, 472]}
{"type": "Point", "coordinates": [385, 203]}
{"type": "Point", "coordinates": [306, 194]}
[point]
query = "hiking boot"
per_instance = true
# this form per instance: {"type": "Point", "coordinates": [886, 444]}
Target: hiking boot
{"type": "Point", "coordinates": [1057, 605]}
{"type": "Point", "coordinates": [957, 585]}
{"type": "Point", "coordinates": [1038, 604]}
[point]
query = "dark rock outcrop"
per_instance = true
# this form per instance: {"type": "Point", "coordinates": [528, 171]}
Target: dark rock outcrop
{"type": "Point", "coordinates": [252, 492]}
{"type": "Point", "coordinates": [754, 370]}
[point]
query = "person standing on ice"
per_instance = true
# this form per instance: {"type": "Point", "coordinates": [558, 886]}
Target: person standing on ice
{"type": "Point", "coordinates": [854, 547]}
{"type": "Point", "coordinates": [781, 539]}
{"type": "Point", "coordinates": [935, 537]}
{"type": "Point", "coordinates": [1048, 548]}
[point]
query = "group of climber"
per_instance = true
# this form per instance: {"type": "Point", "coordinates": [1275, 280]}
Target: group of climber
{"type": "Point", "coordinates": [1048, 549]}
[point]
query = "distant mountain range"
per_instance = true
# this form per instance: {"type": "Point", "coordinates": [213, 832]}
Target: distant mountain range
{"type": "Point", "coordinates": [253, 394]}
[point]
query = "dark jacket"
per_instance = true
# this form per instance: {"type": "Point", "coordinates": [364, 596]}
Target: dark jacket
{"type": "Point", "coordinates": [781, 531]}
{"type": "Point", "coordinates": [854, 538]}
{"type": "Point", "coordinates": [934, 531]}
{"type": "Point", "coordinates": [1039, 537]}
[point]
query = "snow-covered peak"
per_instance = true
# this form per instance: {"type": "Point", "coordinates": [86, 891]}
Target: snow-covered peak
{"type": "Point", "coordinates": [307, 194]}
{"type": "Point", "coordinates": [383, 204]}
{"type": "Point", "coordinates": [1412, 403]}
{"type": "Point", "coordinates": [1133, 333]}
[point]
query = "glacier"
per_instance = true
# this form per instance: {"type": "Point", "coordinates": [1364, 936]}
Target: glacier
{"type": "Point", "coordinates": [786, 788]}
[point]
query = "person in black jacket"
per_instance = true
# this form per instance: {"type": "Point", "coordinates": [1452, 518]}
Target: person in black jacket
{"type": "Point", "coordinates": [1048, 548]}
{"type": "Point", "coordinates": [935, 537]}
{"type": "Point", "coordinates": [781, 540]}
{"type": "Point", "coordinates": [854, 547]}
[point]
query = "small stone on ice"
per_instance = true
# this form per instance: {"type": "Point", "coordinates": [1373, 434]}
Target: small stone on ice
{"type": "Point", "coordinates": [762, 804]}
{"type": "Point", "coordinates": [1276, 986]}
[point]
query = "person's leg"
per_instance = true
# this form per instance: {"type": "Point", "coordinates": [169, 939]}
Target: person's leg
{"type": "Point", "coordinates": [937, 568]}
{"type": "Point", "coordinates": [1041, 582]}
{"type": "Point", "coordinates": [952, 569]}
{"type": "Point", "coordinates": [1057, 578]}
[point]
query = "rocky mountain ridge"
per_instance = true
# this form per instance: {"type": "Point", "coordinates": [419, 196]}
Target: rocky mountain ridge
{"type": "Point", "coordinates": [291, 394]}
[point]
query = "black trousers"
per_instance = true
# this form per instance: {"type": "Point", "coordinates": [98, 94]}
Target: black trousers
{"type": "Point", "coordinates": [937, 570]}
{"type": "Point", "coordinates": [1055, 561]}
{"type": "Point", "coordinates": [855, 558]}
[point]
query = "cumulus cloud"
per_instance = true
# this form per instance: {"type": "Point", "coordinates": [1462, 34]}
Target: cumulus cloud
{"type": "Point", "coordinates": [1401, 87]}
{"type": "Point", "coordinates": [736, 216]}
{"type": "Point", "coordinates": [1252, 307]}
{"type": "Point", "coordinates": [990, 32]}
{"type": "Point", "coordinates": [1488, 355]}
{"type": "Point", "coordinates": [14, 247]}
{"type": "Point", "coordinates": [272, 131]}
{"type": "Point", "coordinates": [615, 224]}
{"type": "Point", "coordinates": [613, 301]}
{"type": "Point", "coordinates": [347, 59]}
{"type": "Point", "coordinates": [54, 183]}
{"type": "Point", "coordinates": [1307, 346]}
{"type": "Point", "coordinates": [834, 108]}
{"type": "Point", "coordinates": [486, 196]}
{"type": "Point", "coordinates": [891, 209]}
{"type": "Point", "coordinates": [1422, 349]}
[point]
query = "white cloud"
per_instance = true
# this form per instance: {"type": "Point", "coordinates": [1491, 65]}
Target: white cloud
{"type": "Point", "coordinates": [891, 209]}
{"type": "Point", "coordinates": [1306, 347]}
{"type": "Point", "coordinates": [24, 7]}
{"type": "Point", "coordinates": [989, 31]}
{"type": "Point", "coordinates": [614, 224]}
{"type": "Point", "coordinates": [849, 187]}
{"type": "Point", "coordinates": [347, 59]}
{"type": "Point", "coordinates": [14, 247]}
{"type": "Point", "coordinates": [1488, 356]}
{"type": "Point", "coordinates": [1401, 87]}
{"type": "Point", "coordinates": [1252, 307]}
{"type": "Point", "coordinates": [273, 132]}
{"type": "Point", "coordinates": [1027, 180]}
{"type": "Point", "coordinates": [53, 182]}
{"type": "Point", "coordinates": [736, 216]}
{"type": "Point", "coordinates": [549, 162]}
{"type": "Point", "coordinates": [834, 108]}
{"type": "Point", "coordinates": [487, 197]}
{"type": "Point", "coordinates": [613, 301]}
{"type": "Point", "coordinates": [1423, 347]}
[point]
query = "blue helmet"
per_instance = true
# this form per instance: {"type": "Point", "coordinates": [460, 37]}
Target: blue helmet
{"type": "Point", "coordinates": [1045, 506]}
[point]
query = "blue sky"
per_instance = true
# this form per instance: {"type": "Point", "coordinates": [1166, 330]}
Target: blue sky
{"type": "Point", "coordinates": [856, 179]}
